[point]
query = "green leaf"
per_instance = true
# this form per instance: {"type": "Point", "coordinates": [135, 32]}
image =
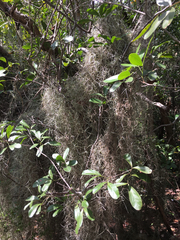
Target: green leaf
{"type": "Point", "coordinates": [120, 184]}
{"type": "Point", "coordinates": [142, 176]}
{"type": "Point", "coordinates": [41, 181]}
{"type": "Point", "coordinates": [33, 209]}
{"type": "Point", "coordinates": [98, 187]}
{"type": "Point", "coordinates": [135, 198]}
{"type": "Point", "coordinates": [22, 122]}
{"type": "Point", "coordinates": [27, 205]}
{"type": "Point", "coordinates": [82, 21]}
{"type": "Point", "coordinates": [143, 169]}
{"type": "Point", "coordinates": [56, 212]}
{"type": "Point", "coordinates": [127, 157]}
{"type": "Point", "coordinates": [89, 214]}
{"type": "Point", "coordinates": [2, 59]}
{"type": "Point", "coordinates": [9, 130]}
{"type": "Point", "coordinates": [115, 86]}
{"type": "Point", "coordinates": [78, 217]}
{"type": "Point", "coordinates": [91, 172]}
{"type": "Point", "coordinates": [4, 149]}
{"type": "Point", "coordinates": [115, 38]}
{"type": "Point", "coordinates": [50, 174]}
{"type": "Point", "coordinates": [87, 183]}
{"type": "Point", "coordinates": [12, 138]}
{"type": "Point", "coordinates": [33, 146]}
{"type": "Point", "coordinates": [53, 207]}
{"type": "Point", "coordinates": [102, 9]}
{"type": "Point", "coordinates": [167, 21]}
{"type": "Point", "coordinates": [39, 210]}
{"type": "Point", "coordinates": [95, 100]}
{"type": "Point", "coordinates": [39, 151]}
{"type": "Point", "coordinates": [113, 190]}
{"type": "Point", "coordinates": [123, 75]}
{"type": "Point", "coordinates": [112, 79]}
{"type": "Point", "coordinates": [121, 178]}
{"type": "Point", "coordinates": [32, 198]}
{"type": "Point", "coordinates": [15, 145]}
{"type": "Point", "coordinates": [67, 169]}
{"type": "Point", "coordinates": [58, 157]}
{"type": "Point", "coordinates": [37, 134]}
{"type": "Point", "coordinates": [85, 204]}
{"type": "Point", "coordinates": [65, 153]}
{"type": "Point", "coordinates": [72, 163]}
{"type": "Point", "coordinates": [130, 79]}
{"type": "Point", "coordinates": [46, 186]}
{"type": "Point", "coordinates": [143, 31]}
{"type": "Point", "coordinates": [135, 59]}
{"type": "Point", "coordinates": [161, 65]}
{"type": "Point", "coordinates": [54, 143]}
{"type": "Point", "coordinates": [155, 24]}
{"type": "Point", "coordinates": [93, 12]}
{"type": "Point", "coordinates": [27, 46]}
{"type": "Point", "coordinates": [1, 87]}
{"type": "Point", "coordinates": [163, 3]}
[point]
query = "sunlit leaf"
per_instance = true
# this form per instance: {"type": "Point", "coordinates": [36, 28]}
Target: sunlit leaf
{"type": "Point", "coordinates": [113, 190]}
{"type": "Point", "coordinates": [78, 217]}
{"type": "Point", "coordinates": [9, 130]}
{"type": "Point", "coordinates": [121, 178]}
{"type": "Point", "coordinates": [22, 122]}
{"type": "Point", "coordinates": [127, 157]}
{"type": "Point", "coordinates": [130, 79]}
{"type": "Point", "coordinates": [98, 187]}
{"type": "Point", "coordinates": [41, 181]}
{"type": "Point", "coordinates": [67, 169]}
{"type": "Point", "coordinates": [167, 21]}
{"type": "Point", "coordinates": [135, 59]}
{"type": "Point", "coordinates": [143, 169]}
{"type": "Point", "coordinates": [155, 24]}
{"type": "Point", "coordinates": [124, 74]}
{"type": "Point", "coordinates": [85, 204]}
{"type": "Point", "coordinates": [91, 179]}
{"type": "Point", "coordinates": [115, 86]}
{"type": "Point", "coordinates": [91, 172]}
{"type": "Point", "coordinates": [33, 209]}
{"type": "Point", "coordinates": [39, 151]}
{"type": "Point", "coordinates": [15, 145]}
{"type": "Point", "coordinates": [89, 214]}
{"type": "Point", "coordinates": [112, 79]}
{"type": "Point", "coordinates": [134, 198]}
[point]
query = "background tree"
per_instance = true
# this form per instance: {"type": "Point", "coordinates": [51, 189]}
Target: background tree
{"type": "Point", "coordinates": [62, 52]}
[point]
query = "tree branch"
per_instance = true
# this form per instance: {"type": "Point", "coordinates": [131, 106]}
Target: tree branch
{"type": "Point", "coordinates": [157, 104]}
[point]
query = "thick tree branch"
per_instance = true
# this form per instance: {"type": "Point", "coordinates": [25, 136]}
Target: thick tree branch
{"type": "Point", "coordinates": [24, 20]}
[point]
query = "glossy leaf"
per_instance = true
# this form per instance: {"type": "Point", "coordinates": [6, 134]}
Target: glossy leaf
{"type": "Point", "coordinates": [33, 209]}
{"type": "Point", "coordinates": [121, 178]}
{"type": "Point", "coordinates": [127, 157]}
{"type": "Point", "coordinates": [41, 181]}
{"type": "Point", "coordinates": [72, 163]}
{"type": "Point", "coordinates": [4, 149]}
{"type": "Point", "coordinates": [129, 80]}
{"type": "Point", "coordinates": [155, 24]}
{"type": "Point", "coordinates": [143, 31]}
{"type": "Point", "coordinates": [123, 75]}
{"type": "Point", "coordinates": [39, 210]}
{"type": "Point", "coordinates": [91, 172]}
{"type": "Point", "coordinates": [135, 198]}
{"type": "Point", "coordinates": [22, 122]}
{"type": "Point", "coordinates": [135, 59]}
{"type": "Point", "coordinates": [9, 130]}
{"type": "Point", "coordinates": [46, 186]}
{"type": "Point", "coordinates": [91, 179]}
{"type": "Point", "coordinates": [113, 190]}
{"type": "Point", "coordinates": [65, 153]}
{"type": "Point", "coordinates": [2, 59]}
{"type": "Point", "coordinates": [33, 146]}
{"type": "Point", "coordinates": [2, 74]}
{"type": "Point", "coordinates": [89, 214]}
{"type": "Point", "coordinates": [15, 145]}
{"type": "Point", "coordinates": [39, 151]}
{"type": "Point", "coordinates": [56, 212]}
{"type": "Point", "coordinates": [67, 169]}
{"type": "Point", "coordinates": [85, 204]}
{"type": "Point", "coordinates": [112, 79]}
{"type": "Point", "coordinates": [54, 143]}
{"type": "Point", "coordinates": [143, 169]}
{"type": "Point", "coordinates": [167, 21]}
{"type": "Point", "coordinates": [78, 217]}
{"type": "Point", "coordinates": [144, 177]}
{"type": "Point", "coordinates": [32, 198]}
{"type": "Point", "coordinates": [115, 86]}
{"type": "Point", "coordinates": [120, 184]}
{"type": "Point", "coordinates": [98, 187]}
{"type": "Point", "coordinates": [95, 100]}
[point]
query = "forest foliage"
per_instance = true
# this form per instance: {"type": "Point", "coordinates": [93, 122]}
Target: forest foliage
{"type": "Point", "coordinates": [43, 44]}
